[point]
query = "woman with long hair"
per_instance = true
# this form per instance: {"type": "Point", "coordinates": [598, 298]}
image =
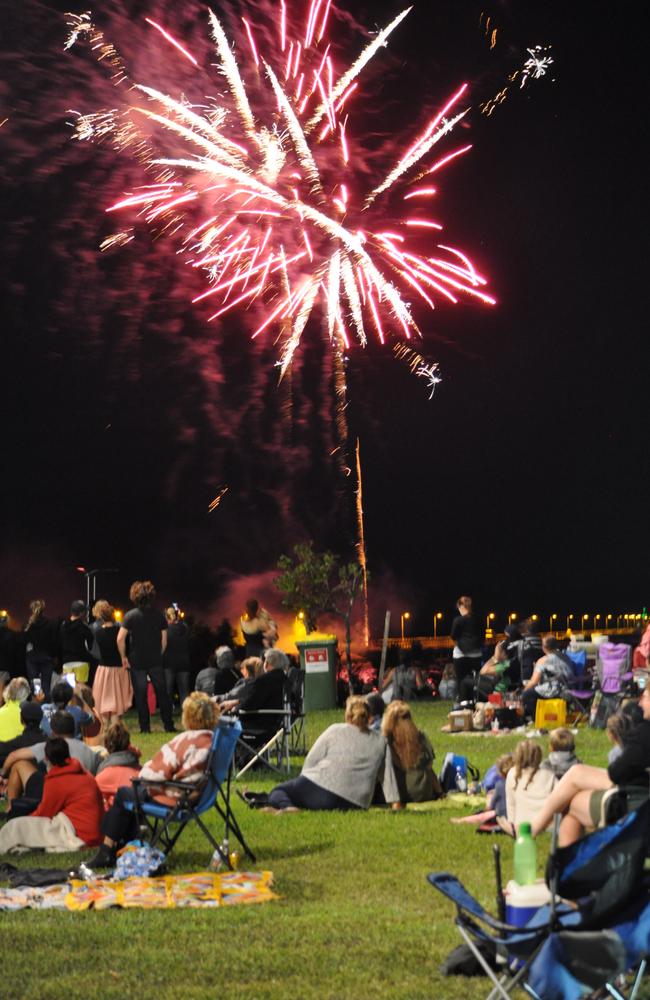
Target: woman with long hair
{"type": "Point", "coordinates": [468, 643]}
{"type": "Point", "coordinates": [41, 647]}
{"type": "Point", "coordinates": [340, 771]}
{"type": "Point", "coordinates": [412, 755]}
{"type": "Point", "coordinates": [176, 658]}
{"type": "Point", "coordinates": [528, 785]}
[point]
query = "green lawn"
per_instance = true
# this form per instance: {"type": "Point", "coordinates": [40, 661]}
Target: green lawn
{"type": "Point", "coordinates": [356, 919]}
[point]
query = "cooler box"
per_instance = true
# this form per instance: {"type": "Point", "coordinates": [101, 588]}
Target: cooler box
{"type": "Point", "coordinates": [318, 660]}
{"type": "Point", "coordinates": [523, 901]}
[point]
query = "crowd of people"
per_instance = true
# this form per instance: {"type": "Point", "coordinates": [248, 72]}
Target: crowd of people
{"type": "Point", "coordinates": [67, 760]}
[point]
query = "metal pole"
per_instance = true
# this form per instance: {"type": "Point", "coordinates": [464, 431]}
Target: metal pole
{"type": "Point", "coordinates": [384, 648]}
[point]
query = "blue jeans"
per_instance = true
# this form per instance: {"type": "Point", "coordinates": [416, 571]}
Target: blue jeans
{"type": "Point", "coordinates": [139, 680]}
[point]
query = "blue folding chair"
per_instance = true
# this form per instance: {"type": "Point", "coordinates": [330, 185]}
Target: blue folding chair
{"type": "Point", "coordinates": [165, 823]}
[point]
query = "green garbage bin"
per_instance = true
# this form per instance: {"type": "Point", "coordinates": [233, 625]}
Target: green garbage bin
{"type": "Point", "coordinates": [318, 660]}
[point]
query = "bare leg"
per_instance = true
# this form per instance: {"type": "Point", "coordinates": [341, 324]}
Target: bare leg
{"type": "Point", "coordinates": [576, 820]}
{"type": "Point", "coordinates": [580, 778]}
{"type": "Point", "coordinates": [18, 777]}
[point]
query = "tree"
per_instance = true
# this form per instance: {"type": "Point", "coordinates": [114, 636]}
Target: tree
{"type": "Point", "coordinates": [318, 583]}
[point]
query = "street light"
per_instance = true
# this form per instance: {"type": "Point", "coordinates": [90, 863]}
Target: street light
{"type": "Point", "coordinates": [596, 619]}
{"type": "Point", "coordinates": [569, 619]}
{"type": "Point", "coordinates": [404, 617]}
{"type": "Point", "coordinates": [619, 619]}
{"type": "Point", "coordinates": [585, 618]}
{"type": "Point", "coordinates": [552, 619]}
{"type": "Point", "coordinates": [436, 618]}
{"type": "Point", "coordinates": [488, 627]}
{"type": "Point", "coordinates": [608, 619]}
{"type": "Point", "coordinates": [511, 617]}
{"type": "Point", "coordinates": [118, 615]}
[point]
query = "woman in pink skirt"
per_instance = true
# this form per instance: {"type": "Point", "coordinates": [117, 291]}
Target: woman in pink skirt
{"type": "Point", "coordinates": [112, 689]}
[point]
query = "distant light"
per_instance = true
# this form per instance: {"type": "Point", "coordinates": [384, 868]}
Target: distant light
{"type": "Point", "coordinates": [80, 569]}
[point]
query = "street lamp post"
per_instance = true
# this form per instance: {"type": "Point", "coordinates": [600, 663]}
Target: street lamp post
{"type": "Point", "coordinates": [585, 618]}
{"type": "Point", "coordinates": [511, 617]}
{"type": "Point", "coordinates": [569, 619]}
{"type": "Point", "coordinates": [596, 620]}
{"type": "Point", "coordinates": [551, 626]}
{"type": "Point", "coordinates": [404, 617]}
{"type": "Point", "coordinates": [436, 618]}
{"type": "Point", "coordinates": [488, 625]}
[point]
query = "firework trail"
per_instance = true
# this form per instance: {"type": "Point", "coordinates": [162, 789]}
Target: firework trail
{"type": "Point", "coordinates": [534, 67]}
{"type": "Point", "coordinates": [361, 547]}
{"type": "Point", "coordinates": [263, 185]}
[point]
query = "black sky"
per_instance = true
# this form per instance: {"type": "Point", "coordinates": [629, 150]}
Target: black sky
{"type": "Point", "coordinates": [524, 480]}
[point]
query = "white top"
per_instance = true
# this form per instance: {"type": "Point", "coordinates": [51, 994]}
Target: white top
{"type": "Point", "coordinates": [524, 803]}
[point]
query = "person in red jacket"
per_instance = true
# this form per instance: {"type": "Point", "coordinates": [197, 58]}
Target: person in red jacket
{"type": "Point", "coordinates": [70, 813]}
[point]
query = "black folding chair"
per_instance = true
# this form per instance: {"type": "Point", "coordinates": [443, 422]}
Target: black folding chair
{"type": "Point", "coordinates": [165, 824]}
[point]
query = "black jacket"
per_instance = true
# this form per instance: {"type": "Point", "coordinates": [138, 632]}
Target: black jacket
{"type": "Point", "coordinates": [630, 767]}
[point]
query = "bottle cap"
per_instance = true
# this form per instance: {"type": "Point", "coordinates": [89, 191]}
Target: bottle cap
{"type": "Point", "coordinates": [525, 828]}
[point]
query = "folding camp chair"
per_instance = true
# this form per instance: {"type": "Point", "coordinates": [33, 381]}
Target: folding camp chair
{"type": "Point", "coordinates": [603, 874]}
{"type": "Point", "coordinates": [274, 733]}
{"type": "Point", "coordinates": [166, 823]}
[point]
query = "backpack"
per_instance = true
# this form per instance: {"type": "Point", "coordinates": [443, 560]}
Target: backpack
{"type": "Point", "coordinates": [452, 763]}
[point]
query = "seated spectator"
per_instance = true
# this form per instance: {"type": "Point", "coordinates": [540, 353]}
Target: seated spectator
{"type": "Point", "coordinates": [496, 796]}
{"type": "Point", "coordinates": [24, 769]}
{"type": "Point", "coordinates": [581, 794]}
{"type": "Point", "coordinates": [121, 764]}
{"type": "Point", "coordinates": [513, 642]}
{"type": "Point", "coordinates": [250, 668]}
{"type": "Point", "coordinates": [295, 685]}
{"type": "Point", "coordinates": [265, 692]}
{"type": "Point", "coordinates": [5, 677]}
{"type": "Point", "coordinates": [16, 692]}
{"type": "Point", "coordinates": [493, 676]}
{"type": "Point", "coordinates": [448, 688]}
{"type": "Point", "coordinates": [376, 707]}
{"type": "Point", "coordinates": [31, 714]}
{"type": "Point", "coordinates": [341, 769]}
{"type": "Point", "coordinates": [92, 732]}
{"type": "Point", "coordinates": [69, 814]}
{"type": "Point", "coordinates": [221, 673]}
{"type": "Point", "coordinates": [403, 682]}
{"type": "Point", "coordinates": [527, 785]}
{"type": "Point", "coordinates": [182, 759]}
{"type": "Point", "coordinates": [550, 676]}
{"type": "Point", "coordinates": [563, 752]}
{"type": "Point", "coordinates": [619, 727]}
{"type": "Point", "coordinates": [63, 700]}
{"type": "Point", "coordinates": [412, 755]}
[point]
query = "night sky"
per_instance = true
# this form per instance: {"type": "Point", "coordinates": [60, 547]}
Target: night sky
{"type": "Point", "coordinates": [522, 482]}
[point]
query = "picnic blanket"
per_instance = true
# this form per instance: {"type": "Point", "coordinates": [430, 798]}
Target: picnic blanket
{"type": "Point", "coordinates": [199, 889]}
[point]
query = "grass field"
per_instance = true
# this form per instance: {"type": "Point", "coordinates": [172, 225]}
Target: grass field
{"type": "Point", "coordinates": [356, 917]}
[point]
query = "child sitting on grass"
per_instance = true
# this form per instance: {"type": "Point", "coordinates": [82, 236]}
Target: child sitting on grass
{"type": "Point", "coordinates": [562, 754]}
{"type": "Point", "coordinates": [496, 797]}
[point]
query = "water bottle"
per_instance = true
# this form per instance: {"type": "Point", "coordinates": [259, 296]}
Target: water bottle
{"type": "Point", "coordinates": [461, 780]}
{"type": "Point", "coordinates": [525, 856]}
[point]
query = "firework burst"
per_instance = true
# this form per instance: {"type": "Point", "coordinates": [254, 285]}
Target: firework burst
{"type": "Point", "coordinates": [264, 185]}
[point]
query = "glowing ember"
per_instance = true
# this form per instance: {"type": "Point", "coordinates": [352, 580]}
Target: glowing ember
{"type": "Point", "coordinates": [262, 185]}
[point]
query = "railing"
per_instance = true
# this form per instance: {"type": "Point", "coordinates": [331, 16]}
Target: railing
{"type": "Point", "coordinates": [446, 642]}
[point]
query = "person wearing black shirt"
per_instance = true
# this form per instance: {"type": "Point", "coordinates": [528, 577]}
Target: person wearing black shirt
{"type": "Point", "coordinates": [76, 639]}
{"type": "Point", "coordinates": [579, 794]}
{"type": "Point", "coordinates": [468, 642]}
{"type": "Point", "coordinates": [41, 646]}
{"type": "Point", "coordinates": [112, 689]}
{"type": "Point", "coordinates": [176, 659]}
{"type": "Point", "coordinates": [146, 629]}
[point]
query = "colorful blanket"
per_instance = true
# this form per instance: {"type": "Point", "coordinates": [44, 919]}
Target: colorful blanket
{"type": "Point", "coordinates": [165, 892]}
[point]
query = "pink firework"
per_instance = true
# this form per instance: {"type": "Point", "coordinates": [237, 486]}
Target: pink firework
{"type": "Point", "coordinates": [262, 188]}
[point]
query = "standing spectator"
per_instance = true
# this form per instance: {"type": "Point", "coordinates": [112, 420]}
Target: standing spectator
{"type": "Point", "coordinates": [9, 648]}
{"type": "Point", "coordinates": [259, 629]}
{"type": "Point", "coordinates": [146, 629]}
{"type": "Point", "coordinates": [76, 640]}
{"type": "Point", "coordinates": [41, 647]}
{"type": "Point", "coordinates": [112, 688]}
{"type": "Point", "coordinates": [468, 641]}
{"type": "Point", "coordinates": [176, 659]}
